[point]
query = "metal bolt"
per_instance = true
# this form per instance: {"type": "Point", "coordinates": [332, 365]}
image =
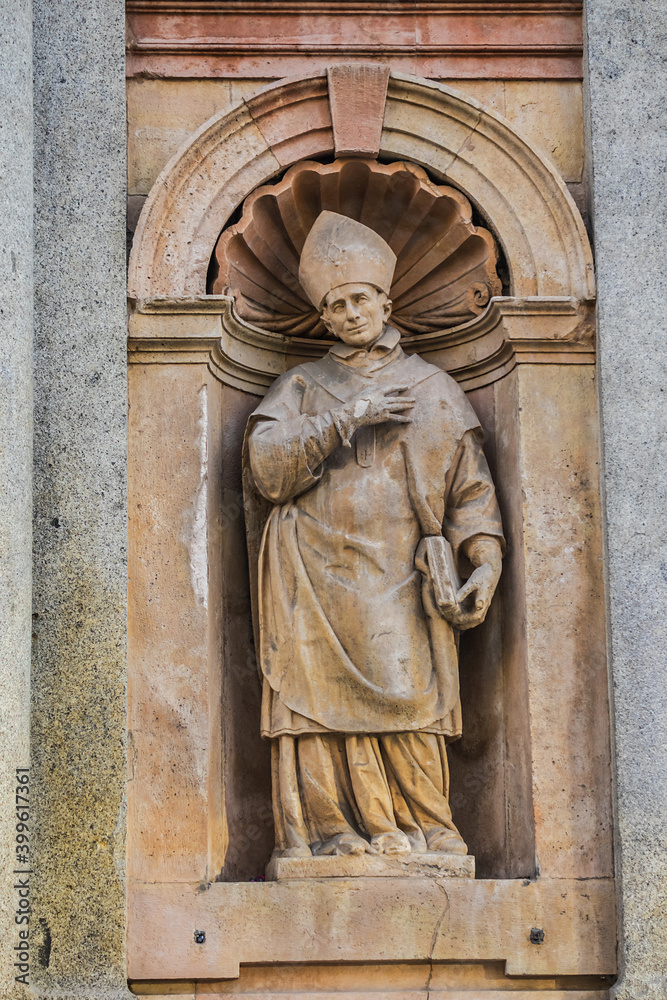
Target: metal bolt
{"type": "Point", "coordinates": [536, 935]}
{"type": "Point", "coordinates": [200, 937]}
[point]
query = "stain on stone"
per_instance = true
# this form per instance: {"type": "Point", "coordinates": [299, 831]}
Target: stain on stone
{"type": "Point", "coordinates": [44, 948]}
{"type": "Point", "coordinates": [78, 734]}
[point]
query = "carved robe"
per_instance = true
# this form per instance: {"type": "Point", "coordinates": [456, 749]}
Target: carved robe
{"type": "Point", "coordinates": [350, 640]}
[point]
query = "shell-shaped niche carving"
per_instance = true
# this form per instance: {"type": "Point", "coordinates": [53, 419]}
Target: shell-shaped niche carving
{"type": "Point", "coordinates": [446, 267]}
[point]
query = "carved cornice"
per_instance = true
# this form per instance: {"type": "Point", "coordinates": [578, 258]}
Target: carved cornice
{"type": "Point", "coordinates": [387, 8]}
{"type": "Point", "coordinates": [510, 332]}
{"type": "Point", "coordinates": [265, 40]}
{"type": "Point", "coordinates": [219, 47]}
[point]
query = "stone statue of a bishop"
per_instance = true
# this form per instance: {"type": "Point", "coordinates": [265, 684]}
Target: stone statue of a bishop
{"type": "Point", "coordinates": [360, 459]}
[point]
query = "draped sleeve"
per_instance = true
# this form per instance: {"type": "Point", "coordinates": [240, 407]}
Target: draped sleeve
{"type": "Point", "coordinates": [286, 448]}
{"type": "Point", "coordinates": [472, 508]}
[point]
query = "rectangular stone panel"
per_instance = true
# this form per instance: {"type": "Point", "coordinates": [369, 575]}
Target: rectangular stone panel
{"type": "Point", "coordinates": [372, 920]}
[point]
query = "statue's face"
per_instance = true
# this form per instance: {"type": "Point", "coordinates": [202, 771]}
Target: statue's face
{"type": "Point", "coordinates": [356, 313]}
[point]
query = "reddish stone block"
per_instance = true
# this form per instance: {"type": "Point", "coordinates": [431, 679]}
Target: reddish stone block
{"type": "Point", "coordinates": [357, 96]}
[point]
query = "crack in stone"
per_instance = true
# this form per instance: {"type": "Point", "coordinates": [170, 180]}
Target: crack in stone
{"type": "Point", "coordinates": [434, 939]}
{"type": "Point", "coordinates": [457, 154]}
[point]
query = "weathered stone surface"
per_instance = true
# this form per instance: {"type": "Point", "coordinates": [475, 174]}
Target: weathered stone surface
{"type": "Point", "coordinates": [505, 41]}
{"type": "Point", "coordinates": [357, 95]}
{"type": "Point", "coordinates": [79, 665]}
{"type": "Point", "coordinates": [628, 154]}
{"type": "Point", "coordinates": [163, 114]}
{"type": "Point", "coordinates": [372, 920]}
{"type": "Point", "coordinates": [431, 864]}
{"type": "Point", "coordinates": [170, 601]}
{"type": "Point", "coordinates": [565, 637]}
{"type": "Point", "coordinates": [16, 207]}
{"type": "Point", "coordinates": [549, 113]}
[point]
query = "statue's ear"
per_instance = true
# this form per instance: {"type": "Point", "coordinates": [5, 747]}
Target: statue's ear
{"type": "Point", "coordinates": [326, 320]}
{"type": "Point", "coordinates": [387, 308]}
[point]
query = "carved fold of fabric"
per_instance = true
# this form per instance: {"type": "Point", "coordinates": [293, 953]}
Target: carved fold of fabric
{"type": "Point", "coordinates": [291, 831]}
{"type": "Point", "coordinates": [348, 641]}
{"type": "Point", "coordinates": [327, 786]}
{"type": "Point", "coordinates": [352, 654]}
{"type": "Point", "coordinates": [471, 502]}
{"type": "Point", "coordinates": [287, 457]}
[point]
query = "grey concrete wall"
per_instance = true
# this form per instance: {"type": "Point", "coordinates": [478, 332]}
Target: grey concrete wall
{"type": "Point", "coordinates": [627, 112]}
{"type": "Point", "coordinates": [15, 445]}
{"type": "Point", "coordinates": [80, 571]}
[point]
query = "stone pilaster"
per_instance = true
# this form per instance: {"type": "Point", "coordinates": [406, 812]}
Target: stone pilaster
{"type": "Point", "coordinates": [16, 208]}
{"type": "Point", "coordinates": [627, 108]}
{"type": "Point", "coordinates": [80, 571]}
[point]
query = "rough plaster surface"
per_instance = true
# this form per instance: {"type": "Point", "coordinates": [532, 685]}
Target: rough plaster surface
{"type": "Point", "coordinates": [78, 729]}
{"type": "Point", "coordinates": [15, 444]}
{"type": "Point", "coordinates": [626, 46]}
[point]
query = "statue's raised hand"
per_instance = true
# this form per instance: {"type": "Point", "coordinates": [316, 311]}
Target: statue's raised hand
{"type": "Point", "coordinates": [377, 404]}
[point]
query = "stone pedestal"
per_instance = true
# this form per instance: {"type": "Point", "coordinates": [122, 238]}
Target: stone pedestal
{"type": "Point", "coordinates": [431, 864]}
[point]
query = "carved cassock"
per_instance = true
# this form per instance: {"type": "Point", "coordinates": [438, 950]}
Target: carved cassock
{"type": "Point", "coordinates": [359, 669]}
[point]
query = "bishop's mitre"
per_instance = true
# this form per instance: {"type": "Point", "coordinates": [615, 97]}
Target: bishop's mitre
{"type": "Point", "coordinates": [341, 251]}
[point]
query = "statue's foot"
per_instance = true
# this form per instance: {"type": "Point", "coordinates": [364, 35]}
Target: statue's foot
{"type": "Point", "coordinates": [417, 842]}
{"type": "Point", "coordinates": [344, 843]}
{"type": "Point", "coordinates": [391, 843]}
{"type": "Point", "coordinates": [447, 842]}
{"type": "Point", "coordinates": [292, 852]}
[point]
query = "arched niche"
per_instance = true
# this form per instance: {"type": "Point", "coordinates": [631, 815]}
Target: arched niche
{"type": "Point", "coordinates": [518, 194]}
{"type": "Point", "coordinates": [200, 369]}
{"type": "Point", "coordinates": [456, 139]}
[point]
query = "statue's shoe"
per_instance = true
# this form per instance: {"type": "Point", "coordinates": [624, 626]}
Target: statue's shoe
{"type": "Point", "coordinates": [391, 843]}
{"type": "Point", "coordinates": [292, 852]}
{"type": "Point", "coordinates": [344, 843]}
{"type": "Point", "coordinates": [446, 841]}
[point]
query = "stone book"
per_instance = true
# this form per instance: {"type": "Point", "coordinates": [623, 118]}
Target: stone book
{"type": "Point", "coordinates": [444, 574]}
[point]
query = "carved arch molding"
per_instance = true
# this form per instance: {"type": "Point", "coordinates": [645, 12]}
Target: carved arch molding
{"type": "Point", "coordinates": [544, 315]}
